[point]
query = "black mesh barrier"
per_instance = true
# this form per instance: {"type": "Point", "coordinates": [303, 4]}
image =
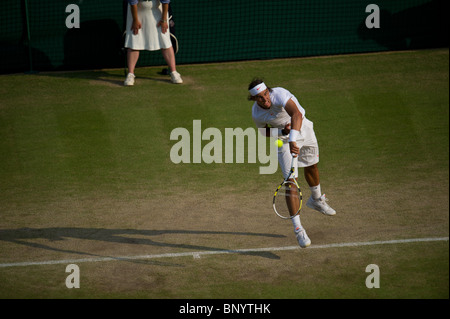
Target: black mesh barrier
{"type": "Point", "coordinates": [34, 35]}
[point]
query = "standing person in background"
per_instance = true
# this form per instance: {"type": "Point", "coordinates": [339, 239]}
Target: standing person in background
{"type": "Point", "coordinates": [148, 29]}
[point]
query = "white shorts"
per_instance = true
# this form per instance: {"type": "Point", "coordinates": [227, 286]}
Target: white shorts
{"type": "Point", "coordinates": [309, 150]}
{"type": "Point", "coordinates": [149, 37]}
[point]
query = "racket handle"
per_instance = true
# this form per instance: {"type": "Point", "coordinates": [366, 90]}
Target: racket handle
{"type": "Point", "coordinates": [293, 159]}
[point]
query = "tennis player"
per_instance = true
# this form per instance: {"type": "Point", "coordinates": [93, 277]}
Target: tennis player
{"type": "Point", "coordinates": [278, 108]}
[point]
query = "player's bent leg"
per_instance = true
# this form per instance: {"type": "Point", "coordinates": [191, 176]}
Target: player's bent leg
{"type": "Point", "coordinates": [321, 205]}
{"type": "Point", "coordinates": [317, 201]}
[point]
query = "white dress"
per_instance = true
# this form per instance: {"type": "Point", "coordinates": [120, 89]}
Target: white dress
{"type": "Point", "coordinates": [149, 37]}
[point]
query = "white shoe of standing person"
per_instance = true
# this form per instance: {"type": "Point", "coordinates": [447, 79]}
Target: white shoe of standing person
{"type": "Point", "coordinates": [129, 81]}
{"type": "Point", "coordinates": [176, 77]}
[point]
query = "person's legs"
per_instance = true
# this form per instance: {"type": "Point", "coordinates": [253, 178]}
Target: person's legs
{"type": "Point", "coordinates": [285, 161]}
{"type": "Point", "coordinates": [293, 206]}
{"type": "Point", "coordinates": [312, 175]}
{"type": "Point", "coordinates": [309, 159]}
{"type": "Point", "coordinates": [169, 57]}
{"type": "Point", "coordinates": [132, 58]}
{"type": "Point", "coordinates": [317, 201]}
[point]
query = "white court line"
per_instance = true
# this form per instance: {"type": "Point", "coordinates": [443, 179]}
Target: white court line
{"type": "Point", "coordinates": [219, 252]}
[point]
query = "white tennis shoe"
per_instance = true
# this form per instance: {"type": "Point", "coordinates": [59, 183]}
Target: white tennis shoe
{"type": "Point", "coordinates": [321, 205]}
{"type": "Point", "coordinates": [176, 77]}
{"type": "Point", "coordinates": [303, 239]}
{"type": "Point", "coordinates": [129, 81]}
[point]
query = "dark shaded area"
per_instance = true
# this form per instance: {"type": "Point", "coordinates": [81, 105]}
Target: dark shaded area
{"type": "Point", "coordinates": [24, 236]}
{"type": "Point", "coordinates": [96, 44]}
{"type": "Point", "coordinates": [424, 26]}
{"type": "Point", "coordinates": [16, 55]}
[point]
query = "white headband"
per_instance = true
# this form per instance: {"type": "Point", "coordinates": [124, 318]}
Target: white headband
{"type": "Point", "coordinates": [258, 89]}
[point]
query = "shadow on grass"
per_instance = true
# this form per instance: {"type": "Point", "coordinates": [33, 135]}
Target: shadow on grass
{"type": "Point", "coordinates": [112, 77]}
{"type": "Point", "coordinates": [24, 236]}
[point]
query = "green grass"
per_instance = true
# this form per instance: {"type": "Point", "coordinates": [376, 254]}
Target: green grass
{"type": "Point", "coordinates": [77, 149]}
{"type": "Point", "coordinates": [404, 274]}
{"type": "Point", "coordinates": [73, 129]}
{"type": "Point", "coordinates": [378, 115]}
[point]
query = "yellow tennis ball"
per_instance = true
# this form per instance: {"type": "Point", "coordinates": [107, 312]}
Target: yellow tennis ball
{"type": "Point", "coordinates": [279, 143]}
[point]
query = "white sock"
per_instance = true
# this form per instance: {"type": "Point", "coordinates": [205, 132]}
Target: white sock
{"type": "Point", "coordinates": [316, 192]}
{"type": "Point", "coordinates": [297, 224]}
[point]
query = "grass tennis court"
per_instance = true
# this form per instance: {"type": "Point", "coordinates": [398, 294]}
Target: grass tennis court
{"type": "Point", "coordinates": [85, 173]}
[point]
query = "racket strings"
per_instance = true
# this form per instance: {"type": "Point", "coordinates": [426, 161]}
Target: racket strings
{"type": "Point", "coordinates": [287, 200]}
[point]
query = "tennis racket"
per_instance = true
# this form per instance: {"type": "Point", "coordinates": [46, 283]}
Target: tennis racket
{"type": "Point", "coordinates": [287, 200]}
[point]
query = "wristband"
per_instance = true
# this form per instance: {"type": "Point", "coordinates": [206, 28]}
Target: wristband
{"type": "Point", "coordinates": [293, 135]}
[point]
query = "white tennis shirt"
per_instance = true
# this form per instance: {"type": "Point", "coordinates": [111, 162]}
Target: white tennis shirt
{"type": "Point", "coordinates": [276, 115]}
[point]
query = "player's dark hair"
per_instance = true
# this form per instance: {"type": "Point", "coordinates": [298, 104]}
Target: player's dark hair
{"type": "Point", "coordinates": [254, 83]}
